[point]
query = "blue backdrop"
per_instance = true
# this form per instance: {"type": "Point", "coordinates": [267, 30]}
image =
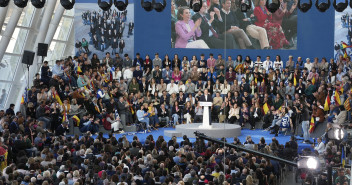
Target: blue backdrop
{"type": "Point", "coordinates": [315, 35]}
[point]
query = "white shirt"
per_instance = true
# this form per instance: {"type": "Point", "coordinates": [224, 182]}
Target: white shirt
{"type": "Point", "coordinates": [308, 66]}
{"type": "Point", "coordinates": [172, 88]}
{"type": "Point", "coordinates": [320, 147]}
{"type": "Point", "coordinates": [182, 88]}
{"type": "Point", "coordinates": [127, 74]}
{"type": "Point", "coordinates": [278, 65]}
{"type": "Point", "coordinates": [267, 64]}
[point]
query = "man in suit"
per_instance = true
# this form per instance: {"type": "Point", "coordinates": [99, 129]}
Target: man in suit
{"type": "Point", "coordinates": [120, 33]}
{"type": "Point", "coordinates": [130, 27]}
{"type": "Point", "coordinates": [121, 45]}
{"type": "Point", "coordinates": [62, 129]}
{"type": "Point", "coordinates": [210, 33]}
{"type": "Point", "coordinates": [246, 20]}
{"type": "Point", "coordinates": [114, 46]}
{"type": "Point", "coordinates": [207, 98]}
{"type": "Point", "coordinates": [124, 109]}
{"type": "Point", "coordinates": [228, 19]}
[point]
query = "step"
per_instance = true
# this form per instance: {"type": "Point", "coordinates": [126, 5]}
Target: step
{"type": "Point", "coordinates": [131, 128]}
{"type": "Point", "coordinates": [172, 133]}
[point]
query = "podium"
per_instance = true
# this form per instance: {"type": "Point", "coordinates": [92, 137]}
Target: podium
{"type": "Point", "coordinates": [206, 121]}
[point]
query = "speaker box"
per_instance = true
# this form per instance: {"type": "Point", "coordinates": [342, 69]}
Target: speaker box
{"type": "Point", "coordinates": [42, 49]}
{"type": "Point", "coordinates": [28, 57]}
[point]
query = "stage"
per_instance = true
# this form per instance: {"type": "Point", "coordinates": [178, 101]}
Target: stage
{"type": "Point", "coordinates": [255, 134]}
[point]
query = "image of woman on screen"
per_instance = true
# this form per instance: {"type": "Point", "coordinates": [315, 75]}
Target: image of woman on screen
{"type": "Point", "coordinates": [187, 30]}
{"type": "Point", "coordinates": [276, 36]}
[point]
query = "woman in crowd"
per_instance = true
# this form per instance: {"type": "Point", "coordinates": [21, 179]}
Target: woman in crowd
{"type": "Point", "coordinates": [234, 114]}
{"type": "Point", "coordinates": [276, 36]}
{"type": "Point", "coordinates": [187, 31]}
{"type": "Point", "coordinates": [188, 112]}
{"type": "Point", "coordinates": [166, 61]}
{"type": "Point", "coordinates": [177, 74]}
{"type": "Point", "coordinates": [176, 113]}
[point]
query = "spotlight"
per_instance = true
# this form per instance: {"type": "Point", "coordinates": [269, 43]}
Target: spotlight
{"type": "Point", "coordinates": [38, 3]}
{"type": "Point", "coordinates": [272, 7]}
{"type": "Point", "coordinates": [245, 7]}
{"type": "Point", "coordinates": [196, 6]}
{"type": "Point", "coordinates": [21, 3]}
{"type": "Point", "coordinates": [339, 134]}
{"type": "Point", "coordinates": [120, 5]}
{"type": "Point", "coordinates": [340, 7]}
{"type": "Point", "coordinates": [148, 6]}
{"type": "Point", "coordinates": [322, 7]}
{"type": "Point", "coordinates": [67, 4]}
{"type": "Point", "coordinates": [305, 6]}
{"type": "Point", "coordinates": [105, 6]}
{"type": "Point", "coordinates": [4, 3]}
{"type": "Point", "coordinates": [308, 162]}
{"type": "Point", "coordinates": [158, 6]}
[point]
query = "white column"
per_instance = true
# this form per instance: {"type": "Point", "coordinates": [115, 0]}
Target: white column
{"type": "Point", "coordinates": [10, 28]}
{"type": "Point", "coordinates": [54, 24]}
{"type": "Point", "coordinates": [3, 11]}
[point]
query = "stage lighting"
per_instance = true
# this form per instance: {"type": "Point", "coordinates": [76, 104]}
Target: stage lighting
{"type": "Point", "coordinates": [245, 7]}
{"type": "Point", "coordinates": [322, 7]}
{"type": "Point", "coordinates": [339, 134]}
{"type": "Point", "coordinates": [38, 3]}
{"type": "Point", "coordinates": [120, 5]}
{"type": "Point", "coordinates": [272, 7]}
{"type": "Point", "coordinates": [21, 3]}
{"type": "Point", "coordinates": [4, 3]}
{"type": "Point", "coordinates": [340, 7]}
{"type": "Point", "coordinates": [159, 7]}
{"type": "Point", "coordinates": [148, 6]}
{"type": "Point", "coordinates": [67, 4]}
{"type": "Point", "coordinates": [196, 6]}
{"type": "Point", "coordinates": [305, 6]}
{"type": "Point", "coordinates": [105, 6]}
{"type": "Point", "coordinates": [308, 162]}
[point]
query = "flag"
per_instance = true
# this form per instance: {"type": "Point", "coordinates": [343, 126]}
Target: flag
{"type": "Point", "coordinates": [79, 70]}
{"type": "Point", "coordinates": [312, 125]}
{"type": "Point", "coordinates": [76, 120]}
{"type": "Point", "coordinates": [343, 162]}
{"type": "Point", "coordinates": [344, 45]}
{"type": "Point", "coordinates": [327, 103]}
{"type": "Point", "coordinates": [266, 108]}
{"type": "Point", "coordinates": [263, 80]}
{"type": "Point", "coordinates": [347, 104]}
{"type": "Point", "coordinates": [239, 67]}
{"type": "Point", "coordinates": [64, 118]}
{"type": "Point", "coordinates": [280, 107]}
{"type": "Point", "coordinates": [313, 80]}
{"type": "Point", "coordinates": [112, 69]}
{"type": "Point", "coordinates": [255, 80]}
{"type": "Point", "coordinates": [57, 97]}
{"type": "Point", "coordinates": [24, 98]}
{"type": "Point", "coordinates": [294, 81]}
{"type": "Point", "coordinates": [337, 98]}
{"type": "Point", "coordinates": [341, 90]}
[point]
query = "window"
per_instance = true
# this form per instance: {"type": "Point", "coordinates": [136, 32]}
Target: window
{"type": "Point", "coordinates": [8, 67]}
{"type": "Point", "coordinates": [4, 92]}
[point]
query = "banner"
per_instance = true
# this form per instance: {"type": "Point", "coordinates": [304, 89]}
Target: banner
{"type": "Point", "coordinates": [99, 32]}
{"type": "Point", "coordinates": [343, 34]}
{"type": "Point", "coordinates": [222, 25]}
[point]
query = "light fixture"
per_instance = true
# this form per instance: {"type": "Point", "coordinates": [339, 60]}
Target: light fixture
{"type": "Point", "coordinates": [147, 5]}
{"type": "Point", "coordinates": [67, 4]}
{"type": "Point", "coordinates": [305, 6]}
{"type": "Point", "coordinates": [308, 162]}
{"type": "Point", "coordinates": [159, 7]}
{"type": "Point", "coordinates": [245, 7]}
{"type": "Point", "coordinates": [340, 7]}
{"type": "Point", "coordinates": [339, 134]}
{"type": "Point", "coordinates": [196, 6]}
{"type": "Point", "coordinates": [4, 3]}
{"type": "Point", "coordinates": [21, 3]}
{"type": "Point", "coordinates": [322, 7]}
{"type": "Point", "coordinates": [105, 6]}
{"type": "Point", "coordinates": [120, 5]}
{"type": "Point", "coordinates": [272, 7]}
{"type": "Point", "coordinates": [38, 3]}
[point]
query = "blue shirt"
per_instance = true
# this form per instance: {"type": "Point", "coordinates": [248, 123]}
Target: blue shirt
{"type": "Point", "coordinates": [57, 70]}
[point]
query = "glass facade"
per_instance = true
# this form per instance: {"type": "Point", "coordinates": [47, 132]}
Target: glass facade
{"type": "Point", "coordinates": [23, 38]}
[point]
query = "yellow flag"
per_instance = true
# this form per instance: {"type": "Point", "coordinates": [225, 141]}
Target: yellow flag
{"type": "Point", "coordinates": [266, 108]}
{"type": "Point", "coordinates": [337, 98]}
{"type": "Point", "coordinates": [294, 81]}
{"type": "Point", "coordinates": [313, 80]}
{"type": "Point", "coordinates": [327, 103]}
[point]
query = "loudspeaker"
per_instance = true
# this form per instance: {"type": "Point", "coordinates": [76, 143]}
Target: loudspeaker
{"type": "Point", "coordinates": [28, 57]}
{"type": "Point", "coordinates": [42, 49]}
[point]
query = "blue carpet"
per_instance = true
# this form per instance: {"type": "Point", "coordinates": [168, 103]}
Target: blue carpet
{"type": "Point", "coordinates": [256, 135]}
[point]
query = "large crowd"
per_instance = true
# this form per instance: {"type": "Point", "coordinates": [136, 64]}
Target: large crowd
{"type": "Point", "coordinates": [162, 92]}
